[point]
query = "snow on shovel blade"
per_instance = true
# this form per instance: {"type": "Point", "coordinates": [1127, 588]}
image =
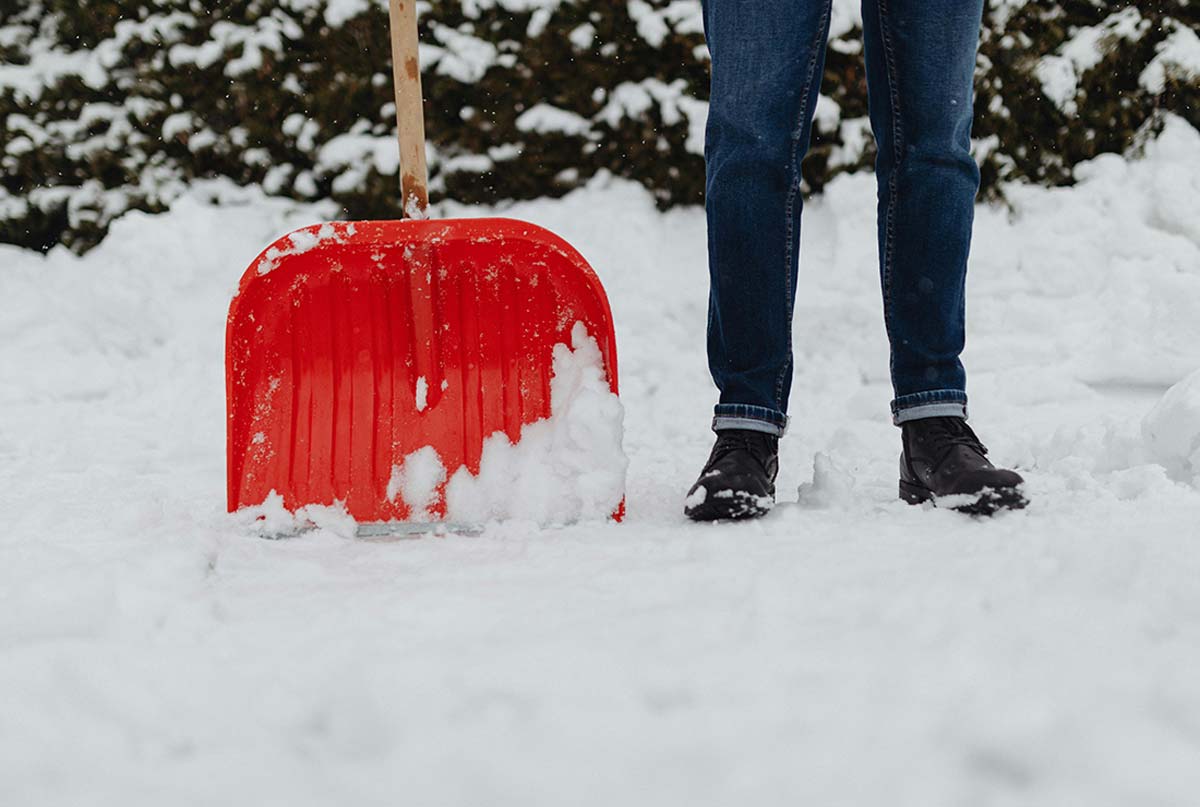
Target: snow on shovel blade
{"type": "Point", "coordinates": [351, 345]}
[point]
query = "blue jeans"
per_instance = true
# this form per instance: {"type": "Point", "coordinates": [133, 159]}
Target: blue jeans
{"type": "Point", "coordinates": [767, 62]}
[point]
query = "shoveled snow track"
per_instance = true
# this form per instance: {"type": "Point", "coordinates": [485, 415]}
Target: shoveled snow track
{"type": "Point", "coordinates": [848, 649]}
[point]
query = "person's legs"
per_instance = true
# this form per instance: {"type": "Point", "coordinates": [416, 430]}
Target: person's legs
{"type": "Point", "coordinates": [920, 73]}
{"type": "Point", "coordinates": [767, 61]}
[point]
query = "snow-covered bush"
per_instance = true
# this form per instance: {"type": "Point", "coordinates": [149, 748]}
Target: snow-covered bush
{"type": "Point", "coordinates": [1062, 82]}
{"type": "Point", "coordinates": [109, 105]}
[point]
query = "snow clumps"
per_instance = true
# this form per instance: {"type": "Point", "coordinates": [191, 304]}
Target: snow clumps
{"type": "Point", "coordinates": [272, 519]}
{"type": "Point", "coordinates": [566, 468]}
{"type": "Point", "coordinates": [1172, 430]}
{"type": "Point", "coordinates": [299, 242]}
{"type": "Point", "coordinates": [832, 486]}
{"type": "Point", "coordinates": [416, 482]}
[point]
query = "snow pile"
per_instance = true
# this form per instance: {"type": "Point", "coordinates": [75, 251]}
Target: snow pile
{"type": "Point", "coordinates": [1139, 273]}
{"type": "Point", "coordinates": [1172, 430]}
{"type": "Point", "coordinates": [272, 520]}
{"type": "Point", "coordinates": [832, 485]}
{"type": "Point", "coordinates": [416, 480]}
{"type": "Point", "coordinates": [566, 468]}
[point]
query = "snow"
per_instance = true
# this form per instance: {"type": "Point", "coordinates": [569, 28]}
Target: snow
{"type": "Point", "coordinates": [354, 155]}
{"type": "Point", "coordinates": [48, 64]}
{"type": "Point", "coordinates": [832, 485]}
{"type": "Point", "coordinates": [266, 33]}
{"type": "Point", "coordinates": [651, 26]}
{"type": "Point", "coordinates": [632, 100]}
{"type": "Point", "coordinates": [827, 114]}
{"type": "Point", "coordinates": [1176, 57]}
{"type": "Point", "coordinates": [1059, 73]}
{"type": "Point", "coordinates": [338, 12]}
{"type": "Point", "coordinates": [422, 394]}
{"type": "Point", "coordinates": [583, 36]}
{"type": "Point", "coordinates": [416, 481]}
{"type": "Point", "coordinates": [564, 469]}
{"type": "Point", "coordinates": [461, 57]}
{"type": "Point", "coordinates": [845, 16]}
{"type": "Point", "coordinates": [567, 468]}
{"type": "Point", "coordinates": [544, 118]}
{"type": "Point", "coordinates": [1172, 430]}
{"type": "Point", "coordinates": [296, 243]}
{"type": "Point", "coordinates": [848, 649]}
{"type": "Point", "coordinates": [272, 520]}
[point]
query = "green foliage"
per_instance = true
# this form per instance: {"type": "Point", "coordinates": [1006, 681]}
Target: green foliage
{"type": "Point", "coordinates": [110, 105]}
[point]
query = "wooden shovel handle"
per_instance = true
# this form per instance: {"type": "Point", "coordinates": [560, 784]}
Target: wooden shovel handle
{"type": "Point", "coordinates": [410, 117]}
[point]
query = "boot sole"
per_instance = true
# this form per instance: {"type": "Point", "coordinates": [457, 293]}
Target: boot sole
{"type": "Point", "coordinates": [730, 508]}
{"type": "Point", "coordinates": [985, 504]}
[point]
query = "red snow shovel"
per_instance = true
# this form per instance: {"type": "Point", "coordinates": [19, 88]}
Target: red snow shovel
{"type": "Point", "coordinates": [351, 345]}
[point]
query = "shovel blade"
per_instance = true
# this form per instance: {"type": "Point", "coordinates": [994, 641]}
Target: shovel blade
{"type": "Point", "coordinates": [352, 344]}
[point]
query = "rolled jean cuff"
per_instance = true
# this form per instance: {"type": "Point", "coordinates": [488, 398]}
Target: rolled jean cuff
{"type": "Point", "coordinates": [750, 418]}
{"type": "Point", "coordinates": [942, 403]}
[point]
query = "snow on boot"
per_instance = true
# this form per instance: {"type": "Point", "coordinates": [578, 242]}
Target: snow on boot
{"type": "Point", "coordinates": [944, 460]}
{"type": "Point", "coordinates": [738, 481]}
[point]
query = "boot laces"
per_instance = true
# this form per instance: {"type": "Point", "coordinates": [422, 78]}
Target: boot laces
{"type": "Point", "coordinates": [755, 445]}
{"type": "Point", "coordinates": [950, 432]}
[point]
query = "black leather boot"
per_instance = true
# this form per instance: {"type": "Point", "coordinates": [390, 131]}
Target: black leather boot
{"type": "Point", "coordinates": [944, 459]}
{"type": "Point", "coordinates": [738, 481]}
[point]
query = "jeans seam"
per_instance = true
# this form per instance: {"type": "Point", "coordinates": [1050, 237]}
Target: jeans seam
{"type": "Point", "coordinates": [751, 411]}
{"type": "Point", "coordinates": [794, 188]}
{"type": "Point", "coordinates": [893, 189]}
{"type": "Point", "coordinates": [932, 409]}
{"type": "Point", "coordinates": [930, 396]}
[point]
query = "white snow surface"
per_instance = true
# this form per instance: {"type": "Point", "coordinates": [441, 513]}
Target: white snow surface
{"type": "Point", "coordinates": [846, 650]}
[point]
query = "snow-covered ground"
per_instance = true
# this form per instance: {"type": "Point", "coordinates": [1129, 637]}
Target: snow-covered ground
{"type": "Point", "coordinates": [847, 650]}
